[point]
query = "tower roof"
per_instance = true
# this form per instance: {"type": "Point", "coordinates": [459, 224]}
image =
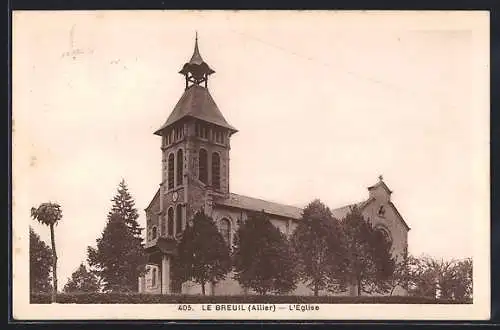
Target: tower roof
{"type": "Point", "coordinates": [196, 102]}
{"type": "Point", "coordinates": [196, 58]}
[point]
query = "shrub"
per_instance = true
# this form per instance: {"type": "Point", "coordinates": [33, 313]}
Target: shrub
{"type": "Point", "coordinates": [137, 298]}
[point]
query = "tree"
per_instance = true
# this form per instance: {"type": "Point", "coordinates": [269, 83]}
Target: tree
{"type": "Point", "coordinates": [262, 257]}
{"type": "Point", "coordinates": [462, 284]}
{"type": "Point", "coordinates": [40, 264]}
{"type": "Point", "coordinates": [433, 277]}
{"type": "Point", "coordinates": [50, 214]}
{"type": "Point", "coordinates": [124, 205]}
{"type": "Point", "coordinates": [401, 276]}
{"type": "Point", "coordinates": [369, 259]}
{"type": "Point", "coordinates": [120, 247]}
{"type": "Point", "coordinates": [422, 277]}
{"type": "Point", "coordinates": [96, 264]}
{"type": "Point", "coordinates": [82, 281]}
{"type": "Point", "coordinates": [443, 271]}
{"type": "Point", "coordinates": [203, 254]}
{"type": "Point", "coordinates": [318, 246]}
{"type": "Point", "coordinates": [448, 279]}
{"type": "Point", "coordinates": [118, 259]}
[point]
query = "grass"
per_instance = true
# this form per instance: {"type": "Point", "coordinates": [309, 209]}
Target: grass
{"type": "Point", "coordinates": [137, 298]}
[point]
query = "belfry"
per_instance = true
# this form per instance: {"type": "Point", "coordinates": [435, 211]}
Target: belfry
{"type": "Point", "coordinates": [196, 70]}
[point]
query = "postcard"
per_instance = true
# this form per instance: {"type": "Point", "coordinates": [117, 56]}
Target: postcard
{"type": "Point", "coordinates": [230, 165]}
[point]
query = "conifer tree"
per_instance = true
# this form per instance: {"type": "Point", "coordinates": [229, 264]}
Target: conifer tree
{"type": "Point", "coordinates": [369, 260]}
{"type": "Point", "coordinates": [119, 259]}
{"type": "Point", "coordinates": [82, 281]}
{"type": "Point", "coordinates": [203, 254]}
{"type": "Point", "coordinates": [318, 246]}
{"type": "Point", "coordinates": [40, 264]}
{"type": "Point", "coordinates": [262, 258]}
{"type": "Point", "coordinates": [124, 205]}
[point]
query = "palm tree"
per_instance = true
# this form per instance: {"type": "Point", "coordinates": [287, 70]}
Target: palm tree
{"type": "Point", "coordinates": [49, 214]}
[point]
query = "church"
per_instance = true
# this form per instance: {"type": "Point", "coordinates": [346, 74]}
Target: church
{"type": "Point", "coordinates": [195, 144]}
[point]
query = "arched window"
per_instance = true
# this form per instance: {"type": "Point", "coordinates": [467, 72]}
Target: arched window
{"type": "Point", "coordinates": [225, 230]}
{"type": "Point", "coordinates": [170, 222]}
{"type": "Point", "coordinates": [171, 171]}
{"type": "Point", "coordinates": [163, 228]}
{"type": "Point", "coordinates": [385, 233]}
{"type": "Point", "coordinates": [153, 277]}
{"type": "Point", "coordinates": [154, 232]}
{"type": "Point", "coordinates": [180, 164]}
{"type": "Point", "coordinates": [178, 221]}
{"type": "Point", "coordinates": [216, 171]}
{"type": "Point", "coordinates": [203, 166]}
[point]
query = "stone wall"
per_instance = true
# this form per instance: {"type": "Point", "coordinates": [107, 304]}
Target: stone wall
{"type": "Point", "coordinates": [193, 148]}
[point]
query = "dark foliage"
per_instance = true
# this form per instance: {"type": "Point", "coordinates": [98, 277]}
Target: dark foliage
{"type": "Point", "coordinates": [124, 205]}
{"type": "Point", "coordinates": [262, 257]}
{"type": "Point", "coordinates": [119, 258]}
{"type": "Point", "coordinates": [370, 263]}
{"type": "Point", "coordinates": [450, 279]}
{"type": "Point", "coordinates": [82, 281]}
{"type": "Point", "coordinates": [135, 298]}
{"type": "Point", "coordinates": [40, 264]}
{"type": "Point", "coordinates": [318, 245]}
{"type": "Point", "coordinates": [203, 254]}
{"type": "Point", "coordinates": [50, 214]}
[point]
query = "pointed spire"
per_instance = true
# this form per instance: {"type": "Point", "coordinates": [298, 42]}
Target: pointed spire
{"type": "Point", "coordinates": [196, 58]}
{"type": "Point", "coordinates": [196, 70]}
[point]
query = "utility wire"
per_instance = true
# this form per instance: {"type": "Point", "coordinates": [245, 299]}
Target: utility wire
{"type": "Point", "coordinates": [397, 89]}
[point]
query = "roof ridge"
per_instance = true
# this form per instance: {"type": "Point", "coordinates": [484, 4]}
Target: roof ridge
{"type": "Point", "coordinates": [153, 199]}
{"type": "Point", "coordinates": [347, 205]}
{"type": "Point", "coordinates": [267, 201]}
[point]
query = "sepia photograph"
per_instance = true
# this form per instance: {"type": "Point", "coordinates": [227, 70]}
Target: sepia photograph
{"type": "Point", "coordinates": [250, 165]}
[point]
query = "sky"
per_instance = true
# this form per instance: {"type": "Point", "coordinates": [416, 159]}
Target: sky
{"type": "Point", "coordinates": [324, 103]}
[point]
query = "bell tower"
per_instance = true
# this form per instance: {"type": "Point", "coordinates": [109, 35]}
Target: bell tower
{"type": "Point", "coordinates": [195, 144]}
